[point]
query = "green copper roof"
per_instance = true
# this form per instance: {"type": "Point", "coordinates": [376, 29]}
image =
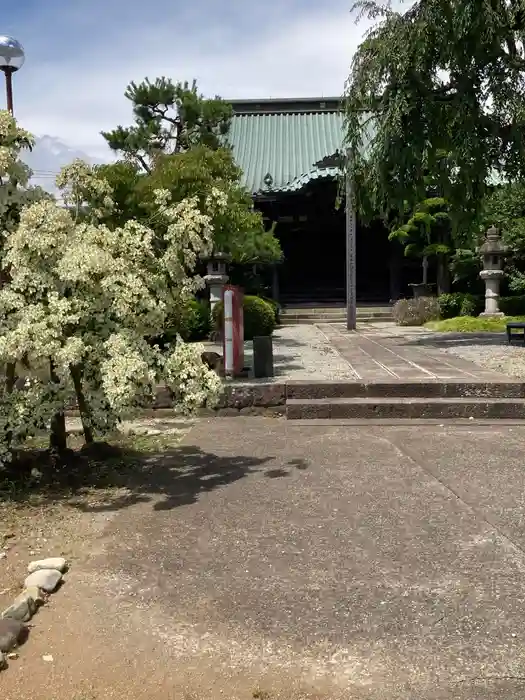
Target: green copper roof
{"type": "Point", "coordinates": [280, 144]}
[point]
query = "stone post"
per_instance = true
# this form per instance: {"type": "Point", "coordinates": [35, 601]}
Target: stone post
{"type": "Point", "coordinates": [492, 252]}
{"type": "Point", "coordinates": [216, 277]}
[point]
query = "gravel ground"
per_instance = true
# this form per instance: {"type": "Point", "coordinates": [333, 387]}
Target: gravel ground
{"type": "Point", "coordinates": [499, 357]}
{"type": "Point", "coordinates": [301, 353]}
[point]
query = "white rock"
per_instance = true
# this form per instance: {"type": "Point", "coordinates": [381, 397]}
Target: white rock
{"type": "Point", "coordinates": [58, 563]}
{"type": "Point", "coordinates": [36, 594]}
{"type": "Point", "coordinates": [3, 555]}
{"type": "Point", "coordinates": [12, 656]}
{"type": "Point", "coordinates": [48, 658]}
{"type": "Point", "coordinates": [46, 579]}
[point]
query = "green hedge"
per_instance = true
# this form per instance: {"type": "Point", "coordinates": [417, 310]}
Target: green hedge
{"type": "Point", "coordinates": [460, 304]}
{"type": "Point", "coordinates": [276, 308]}
{"type": "Point", "coordinates": [512, 306]}
{"type": "Point", "coordinates": [192, 323]}
{"type": "Point", "coordinates": [259, 317]}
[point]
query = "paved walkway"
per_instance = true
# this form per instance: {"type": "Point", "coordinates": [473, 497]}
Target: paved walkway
{"type": "Point", "coordinates": [381, 353]}
{"type": "Point", "coordinates": [312, 563]}
{"type": "Point", "coordinates": [377, 352]}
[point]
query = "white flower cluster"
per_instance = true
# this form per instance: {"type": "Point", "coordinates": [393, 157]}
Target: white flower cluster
{"type": "Point", "coordinates": [14, 174]}
{"type": "Point", "coordinates": [190, 379]}
{"type": "Point", "coordinates": [81, 185]}
{"type": "Point", "coordinates": [84, 297]}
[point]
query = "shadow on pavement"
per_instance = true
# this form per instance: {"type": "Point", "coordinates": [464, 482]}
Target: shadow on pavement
{"type": "Point", "coordinates": [109, 479]}
{"type": "Point", "coordinates": [444, 340]}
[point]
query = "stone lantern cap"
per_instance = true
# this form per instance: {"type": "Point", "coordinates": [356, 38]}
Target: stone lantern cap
{"type": "Point", "coordinates": [217, 257]}
{"type": "Point", "coordinates": [492, 244]}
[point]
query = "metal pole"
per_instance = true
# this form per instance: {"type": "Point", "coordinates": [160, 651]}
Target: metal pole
{"type": "Point", "coordinates": [9, 87]}
{"type": "Point", "coordinates": [351, 311]}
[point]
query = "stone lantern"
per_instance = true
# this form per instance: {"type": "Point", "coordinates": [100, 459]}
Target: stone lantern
{"type": "Point", "coordinates": [216, 276]}
{"type": "Point", "coordinates": [493, 252]}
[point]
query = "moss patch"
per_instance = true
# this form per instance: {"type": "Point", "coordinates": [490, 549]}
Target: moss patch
{"type": "Point", "coordinates": [473, 324]}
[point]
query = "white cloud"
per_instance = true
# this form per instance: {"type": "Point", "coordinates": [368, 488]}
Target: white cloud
{"type": "Point", "coordinates": [77, 95]}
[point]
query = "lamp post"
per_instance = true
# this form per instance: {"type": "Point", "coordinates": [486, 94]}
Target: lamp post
{"type": "Point", "coordinates": [12, 58]}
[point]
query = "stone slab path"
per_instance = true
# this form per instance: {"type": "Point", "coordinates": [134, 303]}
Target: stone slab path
{"type": "Point", "coordinates": [377, 353]}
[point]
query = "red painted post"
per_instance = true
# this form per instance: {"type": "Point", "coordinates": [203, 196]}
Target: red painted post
{"type": "Point", "coordinates": [233, 331]}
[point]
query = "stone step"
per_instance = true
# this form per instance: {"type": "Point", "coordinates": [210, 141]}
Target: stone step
{"type": "Point", "coordinates": [339, 314]}
{"type": "Point", "coordinates": [447, 389]}
{"type": "Point", "coordinates": [308, 313]}
{"type": "Point", "coordinates": [286, 321]}
{"type": "Point", "coordinates": [399, 408]}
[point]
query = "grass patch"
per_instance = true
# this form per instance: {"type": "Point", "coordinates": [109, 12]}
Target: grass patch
{"type": "Point", "coordinates": [473, 324]}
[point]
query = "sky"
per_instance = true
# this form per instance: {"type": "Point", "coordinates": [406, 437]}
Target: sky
{"type": "Point", "coordinates": [81, 55]}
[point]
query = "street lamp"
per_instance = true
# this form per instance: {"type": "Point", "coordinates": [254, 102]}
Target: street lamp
{"type": "Point", "coordinates": [12, 58]}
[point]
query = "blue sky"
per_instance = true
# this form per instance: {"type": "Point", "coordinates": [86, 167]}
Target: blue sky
{"type": "Point", "coordinates": [81, 54]}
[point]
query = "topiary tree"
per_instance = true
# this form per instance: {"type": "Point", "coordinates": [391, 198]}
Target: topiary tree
{"type": "Point", "coordinates": [426, 234]}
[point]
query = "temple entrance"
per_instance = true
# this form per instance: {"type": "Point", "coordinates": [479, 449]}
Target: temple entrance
{"type": "Point", "coordinates": [313, 238]}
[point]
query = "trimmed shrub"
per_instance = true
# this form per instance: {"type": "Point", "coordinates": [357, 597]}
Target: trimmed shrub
{"type": "Point", "coordinates": [415, 312]}
{"type": "Point", "coordinates": [459, 304]}
{"type": "Point", "coordinates": [195, 321]}
{"type": "Point", "coordinates": [192, 323]}
{"type": "Point", "coordinates": [276, 308]}
{"type": "Point", "coordinates": [512, 306]}
{"type": "Point", "coordinates": [471, 305]}
{"type": "Point", "coordinates": [259, 317]}
{"type": "Point", "coordinates": [450, 304]}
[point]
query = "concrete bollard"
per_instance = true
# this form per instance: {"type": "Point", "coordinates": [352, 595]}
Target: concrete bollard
{"type": "Point", "coordinates": [263, 356]}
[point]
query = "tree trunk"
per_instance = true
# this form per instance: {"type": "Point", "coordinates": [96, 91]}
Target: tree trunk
{"type": "Point", "coordinates": [10, 377]}
{"type": "Point", "coordinates": [443, 275]}
{"type": "Point", "coordinates": [425, 269]}
{"type": "Point", "coordinates": [58, 436]}
{"type": "Point", "coordinates": [85, 413]}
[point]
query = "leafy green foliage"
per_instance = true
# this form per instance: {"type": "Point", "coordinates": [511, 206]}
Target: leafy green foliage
{"type": "Point", "coordinates": [195, 321]}
{"type": "Point", "coordinates": [239, 230]}
{"type": "Point", "coordinates": [124, 178]}
{"type": "Point", "coordinates": [259, 317]}
{"type": "Point", "coordinates": [425, 232]}
{"type": "Point", "coordinates": [178, 144]}
{"type": "Point", "coordinates": [192, 321]}
{"type": "Point", "coordinates": [505, 209]}
{"type": "Point", "coordinates": [460, 304]}
{"type": "Point", "coordinates": [512, 306]}
{"type": "Point", "coordinates": [169, 118]}
{"type": "Point", "coordinates": [417, 95]}
{"type": "Point", "coordinates": [465, 266]}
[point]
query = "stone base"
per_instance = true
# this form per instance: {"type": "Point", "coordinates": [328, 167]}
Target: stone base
{"type": "Point", "coordinates": [491, 314]}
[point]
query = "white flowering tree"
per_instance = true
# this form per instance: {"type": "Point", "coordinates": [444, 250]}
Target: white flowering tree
{"type": "Point", "coordinates": [82, 300]}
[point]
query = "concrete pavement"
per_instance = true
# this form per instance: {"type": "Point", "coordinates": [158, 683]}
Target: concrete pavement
{"type": "Point", "coordinates": [309, 561]}
{"type": "Point", "coordinates": [367, 563]}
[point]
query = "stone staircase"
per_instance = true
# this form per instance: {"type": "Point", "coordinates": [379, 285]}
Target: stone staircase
{"type": "Point", "coordinates": [397, 400]}
{"type": "Point", "coordinates": [294, 315]}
